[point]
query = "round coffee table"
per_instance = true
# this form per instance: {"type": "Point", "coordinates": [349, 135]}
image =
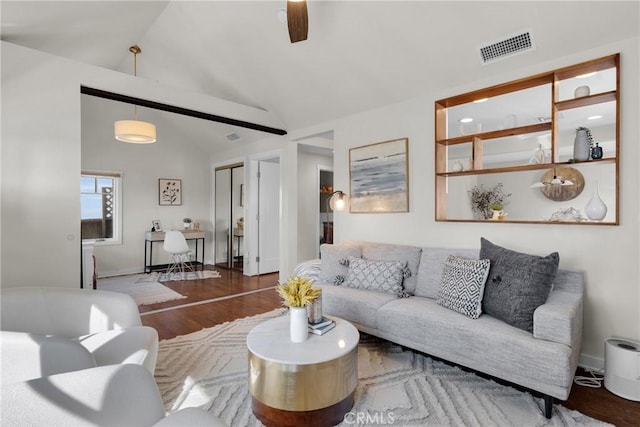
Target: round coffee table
{"type": "Point", "coordinates": [310, 383]}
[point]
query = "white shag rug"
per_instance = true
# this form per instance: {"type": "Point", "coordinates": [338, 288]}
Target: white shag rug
{"type": "Point", "coordinates": [187, 275]}
{"type": "Point", "coordinates": [144, 293]}
{"type": "Point", "coordinates": [208, 369]}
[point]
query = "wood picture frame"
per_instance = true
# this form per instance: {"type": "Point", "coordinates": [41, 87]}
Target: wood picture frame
{"type": "Point", "coordinates": [379, 177]}
{"type": "Point", "coordinates": [169, 192]}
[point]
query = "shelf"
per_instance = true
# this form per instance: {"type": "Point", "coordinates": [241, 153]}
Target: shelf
{"type": "Point", "coordinates": [540, 127]}
{"type": "Point", "coordinates": [481, 150]}
{"type": "Point", "coordinates": [586, 100]}
{"type": "Point", "coordinates": [524, 221]}
{"type": "Point", "coordinates": [523, 168]}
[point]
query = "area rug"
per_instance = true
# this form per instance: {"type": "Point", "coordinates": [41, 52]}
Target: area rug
{"type": "Point", "coordinates": [208, 369]}
{"type": "Point", "coordinates": [187, 275]}
{"type": "Point", "coordinates": [144, 293]}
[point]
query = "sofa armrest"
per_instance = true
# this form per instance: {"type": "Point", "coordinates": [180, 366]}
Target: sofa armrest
{"type": "Point", "coordinates": [28, 356]}
{"type": "Point", "coordinates": [560, 319]}
{"type": "Point", "coordinates": [310, 269]}
{"type": "Point", "coordinates": [116, 395]}
{"type": "Point", "coordinates": [66, 312]}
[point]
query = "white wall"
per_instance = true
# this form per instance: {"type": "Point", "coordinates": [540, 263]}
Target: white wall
{"type": "Point", "coordinates": [172, 156]}
{"type": "Point", "coordinates": [40, 161]}
{"type": "Point", "coordinates": [607, 254]}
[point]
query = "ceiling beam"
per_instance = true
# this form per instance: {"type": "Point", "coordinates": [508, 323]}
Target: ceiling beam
{"type": "Point", "coordinates": [179, 110]}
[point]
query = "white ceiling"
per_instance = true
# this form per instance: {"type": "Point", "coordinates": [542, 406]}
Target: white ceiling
{"type": "Point", "coordinates": [359, 55]}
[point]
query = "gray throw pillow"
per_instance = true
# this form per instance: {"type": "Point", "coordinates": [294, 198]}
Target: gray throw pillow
{"type": "Point", "coordinates": [518, 283]}
{"type": "Point", "coordinates": [333, 261]}
{"type": "Point", "coordinates": [462, 285]}
{"type": "Point", "coordinates": [391, 252]}
{"type": "Point", "coordinates": [380, 276]}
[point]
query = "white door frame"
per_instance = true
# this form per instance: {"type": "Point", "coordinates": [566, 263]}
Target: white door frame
{"type": "Point", "coordinates": [320, 168]}
{"type": "Point", "coordinates": [251, 267]}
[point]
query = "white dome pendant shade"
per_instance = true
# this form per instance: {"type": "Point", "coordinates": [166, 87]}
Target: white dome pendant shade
{"type": "Point", "coordinates": [135, 131]}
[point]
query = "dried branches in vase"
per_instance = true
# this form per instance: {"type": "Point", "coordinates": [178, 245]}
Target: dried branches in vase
{"type": "Point", "coordinates": [483, 198]}
{"type": "Point", "coordinates": [297, 292]}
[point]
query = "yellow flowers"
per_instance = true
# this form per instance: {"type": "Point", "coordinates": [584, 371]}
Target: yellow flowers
{"type": "Point", "coordinates": [297, 292]}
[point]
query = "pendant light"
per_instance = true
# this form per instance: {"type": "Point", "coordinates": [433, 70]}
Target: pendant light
{"type": "Point", "coordinates": [557, 180]}
{"type": "Point", "coordinates": [135, 131]}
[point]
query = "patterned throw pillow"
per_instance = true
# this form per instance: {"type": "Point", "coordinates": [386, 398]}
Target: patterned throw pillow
{"type": "Point", "coordinates": [381, 276]}
{"type": "Point", "coordinates": [462, 285]}
{"type": "Point", "coordinates": [333, 265]}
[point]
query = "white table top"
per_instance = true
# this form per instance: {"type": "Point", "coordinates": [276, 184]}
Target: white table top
{"type": "Point", "coordinates": [270, 341]}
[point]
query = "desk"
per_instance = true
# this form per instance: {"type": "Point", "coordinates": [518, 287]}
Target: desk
{"type": "Point", "coordinates": [238, 233]}
{"type": "Point", "coordinates": [158, 236]}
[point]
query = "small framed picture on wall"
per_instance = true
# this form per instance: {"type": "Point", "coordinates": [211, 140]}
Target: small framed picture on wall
{"type": "Point", "coordinates": [170, 192]}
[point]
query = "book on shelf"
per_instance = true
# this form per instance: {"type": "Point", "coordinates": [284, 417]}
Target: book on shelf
{"type": "Point", "coordinates": [323, 330]}
{"type": "Point", "coordinates": [322, 323]}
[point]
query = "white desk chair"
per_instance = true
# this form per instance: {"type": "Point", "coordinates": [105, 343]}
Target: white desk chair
{"type": "Point", "coordinates": [176, 245]}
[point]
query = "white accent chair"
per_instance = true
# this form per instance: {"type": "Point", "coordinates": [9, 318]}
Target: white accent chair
{"type": "Point", "coordinates": [47, 330]}
{"type": "Point", "coordinates": [176, 245]}
{"type": "Point", "coordinates": [116, 395]}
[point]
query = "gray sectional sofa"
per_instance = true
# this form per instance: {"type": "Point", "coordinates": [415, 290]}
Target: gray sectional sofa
{"type": "Point", "coordinates": [544, 359]}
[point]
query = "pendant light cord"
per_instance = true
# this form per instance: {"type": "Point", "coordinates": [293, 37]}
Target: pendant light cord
{"type": "Point", "coordinates": [135, 49]}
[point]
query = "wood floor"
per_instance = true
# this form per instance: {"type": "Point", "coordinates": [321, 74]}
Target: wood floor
{"type": "Point", "coordinates": [211, 302]}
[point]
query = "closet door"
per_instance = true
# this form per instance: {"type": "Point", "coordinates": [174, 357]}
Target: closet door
{"type": "Point", "coordinates": [223, 218]}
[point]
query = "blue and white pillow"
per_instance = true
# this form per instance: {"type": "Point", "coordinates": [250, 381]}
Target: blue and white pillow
{"type": "Point", "coordinates": [462, 285]}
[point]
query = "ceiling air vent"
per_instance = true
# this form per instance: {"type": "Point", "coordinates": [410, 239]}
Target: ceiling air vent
{"type": "Point", "coordinates": [232, 136]}
{"type": "Point", "coordinates": [518, 43]}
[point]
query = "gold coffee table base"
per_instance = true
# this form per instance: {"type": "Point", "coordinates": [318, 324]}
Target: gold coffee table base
{"type": "Point", "coordinates": [302, 384]}
{"type": "Point", "coordinates": [330, 416]}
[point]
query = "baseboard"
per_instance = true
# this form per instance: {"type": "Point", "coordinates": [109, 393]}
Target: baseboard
{"type": "Point", "coordinates": [591, 363]}
{"type": "Point", "coordinates": [103, 274]}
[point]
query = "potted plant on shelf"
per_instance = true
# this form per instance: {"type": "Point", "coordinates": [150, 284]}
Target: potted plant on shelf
{"type": "Point", "coordinates": [483, 199]}
{"type": "Point", "coordinates": [187, 223]}
{"type": "Point", "coordinates": [496, 210]}
{"type": "Point", "coordinates": [296, 294]}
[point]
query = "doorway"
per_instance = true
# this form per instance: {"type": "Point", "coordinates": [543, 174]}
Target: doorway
{"type": "Point", "coordinates": [229, 217]}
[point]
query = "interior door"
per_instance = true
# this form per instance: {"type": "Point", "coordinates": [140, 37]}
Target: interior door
{"type": "Point", "coordinates": [268, 216]}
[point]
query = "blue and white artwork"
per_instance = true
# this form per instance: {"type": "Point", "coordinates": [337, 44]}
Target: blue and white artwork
{"type": "Point", "coordinates": [379, 177]}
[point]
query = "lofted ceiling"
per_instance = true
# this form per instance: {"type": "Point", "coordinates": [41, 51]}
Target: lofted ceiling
{"type": "Point", "coordinates": [359, 55]}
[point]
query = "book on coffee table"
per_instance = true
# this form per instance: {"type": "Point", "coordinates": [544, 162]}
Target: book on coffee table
{"type": "Point", "coordinates": [322, 330]}
{"type": "Point", "coordinates": [321, 324]}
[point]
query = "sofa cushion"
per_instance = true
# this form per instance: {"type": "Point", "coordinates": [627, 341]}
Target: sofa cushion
{"type": "Point", "coordinates": [431, 265]}
{"type": "Point", "coordinates": [485, 344]}
{"type": "Point", "coordinates": [391, 252]}
{"type": "Point", "coordinates": [354, 305]}
{"type": "Point", "coordinates": [518, 283]}
{"type": "Point", "coordinates": [380, 276]}
{"type": "Point", "coordinates": [332, 267]}
{"type": "Point", "coordinates": [463, 285]}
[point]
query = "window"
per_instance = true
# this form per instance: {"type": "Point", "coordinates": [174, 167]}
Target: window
{"type": "Point", "coordinates": [100, 207]}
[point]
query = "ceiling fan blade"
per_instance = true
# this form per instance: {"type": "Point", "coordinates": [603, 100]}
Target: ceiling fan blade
{"type": "Point", "coordinates": [297, 20]}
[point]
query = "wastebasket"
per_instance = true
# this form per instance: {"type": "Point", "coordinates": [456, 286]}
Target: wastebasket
{"type": "Point", "coordinates": [622, 368]}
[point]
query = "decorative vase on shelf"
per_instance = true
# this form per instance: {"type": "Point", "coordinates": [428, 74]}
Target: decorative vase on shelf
{"type": "Point", "coordinates": [298, 324]}
{"type": "Point", "coordinates": [581, 145]}
{"type": "Point", "coordinates": [596, 210]}
{"type": "Point", "coordinates": [596, 152]}
{"type": "Point", "coordinates": [457, 166]}
{"type": "Point", "coordinates": [581, 91]}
